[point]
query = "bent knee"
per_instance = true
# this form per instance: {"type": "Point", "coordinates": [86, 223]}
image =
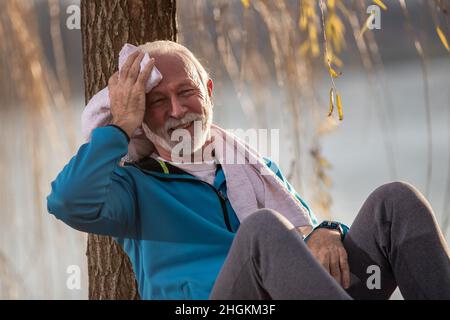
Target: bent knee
{"type": "Point", "coordinates": [406, 198]}
{"type": "Point", "coordinates": [397, 190]}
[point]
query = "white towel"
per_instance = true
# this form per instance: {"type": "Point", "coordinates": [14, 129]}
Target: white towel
{"type": "Point", "coordinates": [251, 185]}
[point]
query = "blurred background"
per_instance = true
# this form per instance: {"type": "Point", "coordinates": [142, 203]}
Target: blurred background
{"type": "Point", "coordinates": [272, 69]}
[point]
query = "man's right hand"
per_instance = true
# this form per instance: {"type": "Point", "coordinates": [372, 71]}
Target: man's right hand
{"type": "Point", "coordinates": [127, 93]}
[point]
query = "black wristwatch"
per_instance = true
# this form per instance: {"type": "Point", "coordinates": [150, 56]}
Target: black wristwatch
{"type": "Point", "coordinates": [333, 225]}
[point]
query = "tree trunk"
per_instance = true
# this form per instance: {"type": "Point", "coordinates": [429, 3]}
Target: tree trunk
{"type": "Point", "coordinates": [106, 25]}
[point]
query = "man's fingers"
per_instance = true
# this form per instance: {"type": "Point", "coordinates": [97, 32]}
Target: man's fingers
{"type": "Point", "coordinates": [335, 270]}
{"type": "Point", "coordinates": [345, 269]}
{"type": "Point", "coordinates": [324, 260]}
{"type": "Point", "coordinates": [145, 74]}
{"type": "Point", "coordinates": [113, 79]}
{"type": "Point", "coordinates": [133, 73]}
{"type": "Point", "coordinates": [127, 65]}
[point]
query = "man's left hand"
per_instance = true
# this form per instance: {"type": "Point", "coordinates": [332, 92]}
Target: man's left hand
{"type": "Point", "coordinates": [326, 246]}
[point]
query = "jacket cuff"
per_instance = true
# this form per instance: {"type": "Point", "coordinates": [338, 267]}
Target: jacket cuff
{"type": "Point", "coordinates": [123, 131]}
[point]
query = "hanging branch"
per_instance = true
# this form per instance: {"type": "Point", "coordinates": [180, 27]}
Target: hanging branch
{"type": "Point", "coordinates": [368, 53]}
{"type": "Point", "coordinates": [335, 98]}
{"type": "Point", "coordinates": [446, 206]}
{"type": "Point", "coordinates": [426, 90]}
{"type": "Point", "coordinates": [60, 88]}
{"type": "Point", "coordinates": [441, 5]}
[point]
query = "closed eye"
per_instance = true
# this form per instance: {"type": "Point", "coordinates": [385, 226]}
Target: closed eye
{"type": "Point", "coordinates": [187, 92]}
{"type": "Point", "coordinates": [157, 102]}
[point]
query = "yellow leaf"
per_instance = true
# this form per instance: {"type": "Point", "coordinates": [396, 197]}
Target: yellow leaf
{"type": "Point", "coordinates": [339, 106]}
{"type": "Point", "coordinates": [312, 32]}
{"type": "Point", "coordinates": [443, 38]}
{"type": "Point", "coordinates": [333, 72]}
{"type": "Point", "coordinates": [315, 51]}
{"type": "Point", "coordinates": [331, 102]}
{"type": "Point", "coordinates": [330, 57]}
{"type": "Point", "coordinates": [335, 31]}
{"type": "Point", "coordinates": [310, 11]}
{"type": "Point", "coordinates": [303, 22]}
{"type": "Point", "coordinates": [246, 3]}
{"type": "Point", "coordinates": [331, 4]}
{"type": "Point", "coordinates": [380, 4]}
{"type": "Point", "coordinates": [324, 163]}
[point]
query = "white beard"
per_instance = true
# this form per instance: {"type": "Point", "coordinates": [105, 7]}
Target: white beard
{"type": "Point", "coordinates": [181, 139]}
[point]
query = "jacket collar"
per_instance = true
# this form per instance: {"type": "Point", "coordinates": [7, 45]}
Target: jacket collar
{"type": "Point", "coordinates": [155, 166]}
{"type": "Point", "coordinates": [151, 164]}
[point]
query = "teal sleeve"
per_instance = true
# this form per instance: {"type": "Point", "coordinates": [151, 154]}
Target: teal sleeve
{"type": "Point", "coordinates": [274, 167]}
{"type": "Point", "coordinates": [89, 194]}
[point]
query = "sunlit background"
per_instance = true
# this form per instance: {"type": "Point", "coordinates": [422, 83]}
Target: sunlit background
{"type": "Point", "coordinates": [270, 70]}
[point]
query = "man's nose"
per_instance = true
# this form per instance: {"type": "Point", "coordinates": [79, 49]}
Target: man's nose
{"type": "Point", "coordinates": [177, 110]}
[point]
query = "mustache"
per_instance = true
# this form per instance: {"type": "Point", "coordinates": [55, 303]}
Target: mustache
{"type": "Point", "coordinates": [189, 117]}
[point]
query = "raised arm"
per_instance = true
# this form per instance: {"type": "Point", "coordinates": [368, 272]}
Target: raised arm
{"type": "Point", "coordinates": [92, 193]}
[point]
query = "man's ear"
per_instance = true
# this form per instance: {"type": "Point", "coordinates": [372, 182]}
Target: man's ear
{"type": "Point", "coordinates": [210, 86]}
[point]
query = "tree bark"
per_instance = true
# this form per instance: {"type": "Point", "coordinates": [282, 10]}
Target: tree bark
{"type": "Point", "coordinates": [106, 25]}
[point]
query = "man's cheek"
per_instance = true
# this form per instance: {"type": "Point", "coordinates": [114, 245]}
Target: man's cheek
{"type": "Point", "coordinates": [196, 105]}
{"type": "Point", "coordinates": [154, 119]}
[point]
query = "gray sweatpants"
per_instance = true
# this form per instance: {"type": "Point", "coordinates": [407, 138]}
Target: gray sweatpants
{"type": "Point", "coordinates": [394, 241]}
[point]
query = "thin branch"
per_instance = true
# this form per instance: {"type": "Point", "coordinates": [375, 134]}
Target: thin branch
{"type": "Point", "coordinates": [426, 91]}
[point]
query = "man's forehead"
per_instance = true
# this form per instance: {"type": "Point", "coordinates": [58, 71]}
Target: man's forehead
{"type": "Point", "coordinates": [164, 85]}
{"type": "Point", "coordinates": [174, 67]}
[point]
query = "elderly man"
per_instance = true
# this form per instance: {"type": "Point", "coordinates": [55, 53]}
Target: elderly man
{"type": "Point", "coordinates": [209, 229]}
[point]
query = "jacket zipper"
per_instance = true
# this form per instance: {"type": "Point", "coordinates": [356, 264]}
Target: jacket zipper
{"type": "Point", "coordinates": [218, 193]}
{"type": "Point", "coordinates": [224, 207]}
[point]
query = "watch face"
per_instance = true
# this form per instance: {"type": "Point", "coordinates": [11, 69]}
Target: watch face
{"type": "Point", "coordinates": [330, 224]}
